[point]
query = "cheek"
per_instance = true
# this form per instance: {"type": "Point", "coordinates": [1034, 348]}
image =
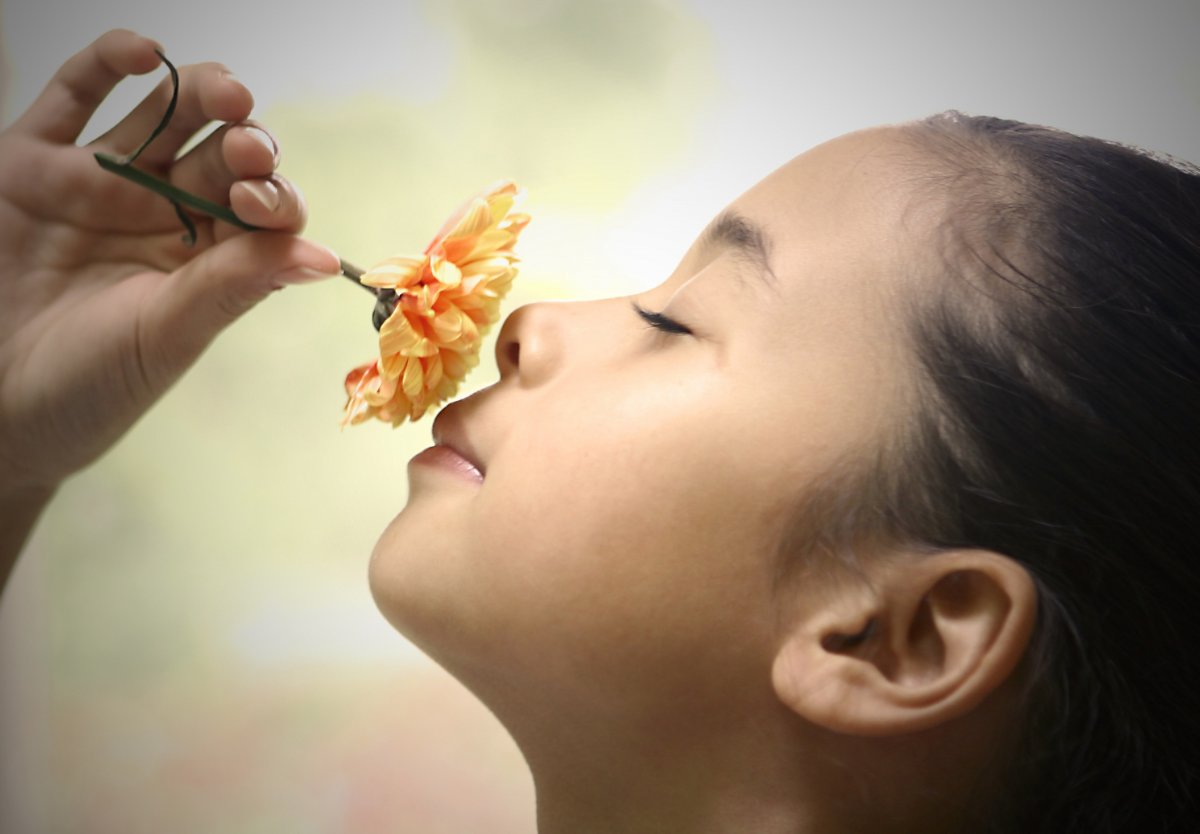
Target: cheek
{"type": "Point", "coordinates": [625, 530]}
{"type": "Point", "coordinates": [601, 463]}
{"type": "Point", "coordinates": [640, 513]}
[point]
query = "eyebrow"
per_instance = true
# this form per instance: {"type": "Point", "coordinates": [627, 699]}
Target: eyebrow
{"type": "Point", "coordinates": [731, 230]}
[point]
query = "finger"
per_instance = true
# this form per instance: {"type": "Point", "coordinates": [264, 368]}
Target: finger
{"type": "Point", "coordinates": [244, 146]}
{"type": "Point", "coordinates": [71, 97]}
{"type": "Point", "coordinates": [232, 153]}
{"type": "Point", "coordinates": [207, 93]}
{"type": "Point", "coordinates": [209, 292]}
{"type": "Point", "coordinates": [271, 203]}
{"type": "Point", "coordinates": [63, 183]}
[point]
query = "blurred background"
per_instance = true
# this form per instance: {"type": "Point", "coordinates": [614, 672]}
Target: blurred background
{"type": "Point", "coordinates": [188, 644]}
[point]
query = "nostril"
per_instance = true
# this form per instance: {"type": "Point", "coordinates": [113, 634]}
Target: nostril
{"type": "Point", "coordinates": [508, 345]}
{"type": "Point", "coordinates": [530, 343]}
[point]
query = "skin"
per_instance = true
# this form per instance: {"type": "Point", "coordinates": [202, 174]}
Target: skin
{"type": "Point", "coordinates": [102, 307]}
{"type": "Point", "coordinates": [608, 584]}
{"type": "Point", "coordinates": [607, 437]}
{"type": "Point", "coordinates": [608, 587]}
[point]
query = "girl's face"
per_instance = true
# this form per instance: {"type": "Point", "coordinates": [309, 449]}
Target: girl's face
{"type": "Point", "coordinates": [621, 544]}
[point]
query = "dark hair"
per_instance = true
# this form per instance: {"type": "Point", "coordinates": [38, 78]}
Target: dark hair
{"type": "Point", "coordinates": [1059, 424]}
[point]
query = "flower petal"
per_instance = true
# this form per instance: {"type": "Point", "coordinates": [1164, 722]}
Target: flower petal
{"type": "Point", "coordinates": [446, 299]}
{"type": "Point", "coordinates": [398, 336]}
{"type": "Point", "coordinates": [445, 271]}
{"type": "Point", "coordinates": [433, 371]}
{"type": "Point", "coordinates": [413, 379]}
{"type": "Point", "coordinates": [395, 273]}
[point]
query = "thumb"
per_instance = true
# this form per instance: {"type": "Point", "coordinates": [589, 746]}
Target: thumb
{"type": "Point", "coordinates": [201, 298]}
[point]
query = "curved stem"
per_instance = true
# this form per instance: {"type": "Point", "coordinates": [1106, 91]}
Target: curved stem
{"type": "Point", "coordinates": [123, 167]}
{"type": "Point", "coordinates": [166, 119]}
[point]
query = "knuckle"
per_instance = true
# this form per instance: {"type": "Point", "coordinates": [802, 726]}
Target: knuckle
{"type": "Point", "coordinates": [233, 305]}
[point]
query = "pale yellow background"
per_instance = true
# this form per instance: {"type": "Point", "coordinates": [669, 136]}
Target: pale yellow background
{"type": "Point", "coordinates": [189, 644]}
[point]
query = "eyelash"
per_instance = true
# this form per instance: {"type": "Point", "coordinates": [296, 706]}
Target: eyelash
{"type": "Point", "coordinates": [661, 322]}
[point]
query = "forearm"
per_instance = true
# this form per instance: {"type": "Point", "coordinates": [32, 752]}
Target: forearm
{"type": "Point", "coordinates": [19, 512]}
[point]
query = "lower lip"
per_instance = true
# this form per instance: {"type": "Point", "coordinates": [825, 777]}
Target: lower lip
{"type": "Point", "coordinates": [443, 457]}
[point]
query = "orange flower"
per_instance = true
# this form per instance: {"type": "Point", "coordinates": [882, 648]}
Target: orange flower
{"type": "Point", "coordinates": [446, 299]}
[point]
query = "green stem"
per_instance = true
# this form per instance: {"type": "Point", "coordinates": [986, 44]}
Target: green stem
{"type": "Point", "coordinates": [385, 300]}
{"type": "Point", "coordinates": [180, 197]}
{"type": "Point", "coordinates": [175, 195]}
{"type": "Point", "coordinates": [166, 119]}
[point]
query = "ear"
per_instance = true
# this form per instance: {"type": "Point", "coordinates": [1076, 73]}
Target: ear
{"type": "Point", "coordinates": [919, 641]}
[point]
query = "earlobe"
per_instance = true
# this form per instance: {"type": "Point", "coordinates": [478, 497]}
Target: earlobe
{"type": "Point", "coordinates": [920, 641]}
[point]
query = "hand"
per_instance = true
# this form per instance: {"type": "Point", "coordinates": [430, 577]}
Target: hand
{"type": "Point", "coordinates": [102, 305]}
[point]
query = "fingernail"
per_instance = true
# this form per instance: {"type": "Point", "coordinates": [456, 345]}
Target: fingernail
{"type": "Point", "coordinates": [263, 138]}
{"type": "Point", "coordinates": [264, 191]}
{"type": "Point", "coordinates": [317, 257]}
{"type": "Point", "coordinates": [302, 275]}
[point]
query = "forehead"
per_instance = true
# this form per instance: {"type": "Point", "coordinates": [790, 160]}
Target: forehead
{"type": "Point", "coordinates": [846, 245]}
{"type": "Point", "coordinates": [845, 237]}
{"type": "Point", "coordinates": [851, 192]}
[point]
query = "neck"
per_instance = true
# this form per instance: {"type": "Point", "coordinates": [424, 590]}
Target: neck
{"type": "Point", "coordinates": [680, 772]}
{"type": "Point", "coordinates": [567, 806]}
{"type": "Point", "coordinates": [708, 757]}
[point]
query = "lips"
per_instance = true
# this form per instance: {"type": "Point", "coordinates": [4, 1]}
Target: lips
{"type": "Point", "coordinates": [448, 432]}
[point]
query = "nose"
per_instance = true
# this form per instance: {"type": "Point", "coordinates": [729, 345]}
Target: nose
{"type": "Point", "coordinates": [530, 345]}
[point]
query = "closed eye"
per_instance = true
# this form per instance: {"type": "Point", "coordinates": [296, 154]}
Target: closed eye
{"type": "Point", "coordinates": [661, 322]}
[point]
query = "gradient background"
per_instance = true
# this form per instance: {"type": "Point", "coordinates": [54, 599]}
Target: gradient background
{"type": "Point", "coordinates": [189, 645]}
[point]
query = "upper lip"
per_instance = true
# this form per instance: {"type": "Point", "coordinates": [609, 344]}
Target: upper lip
{"type": "Point", "coordinates": [448, 431]}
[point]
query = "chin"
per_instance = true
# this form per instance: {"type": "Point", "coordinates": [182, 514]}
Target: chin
{"type": "Point", "coordinates": [420, 583]}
